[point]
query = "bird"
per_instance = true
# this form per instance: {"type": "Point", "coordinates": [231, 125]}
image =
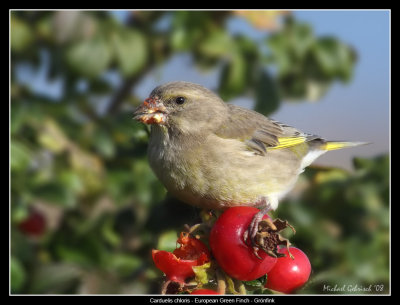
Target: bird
{"type": "Point", "coordinates": [215, 155]}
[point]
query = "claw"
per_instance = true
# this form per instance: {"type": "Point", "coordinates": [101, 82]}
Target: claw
{"type": "Point", "coordinates": [253, 228]}
{"type": "Point", "coordinates": [245, 236]}
{"type": "Point", "coordinates": [255, 251]}
{"type": "Point", "coordinates": [264, 234]}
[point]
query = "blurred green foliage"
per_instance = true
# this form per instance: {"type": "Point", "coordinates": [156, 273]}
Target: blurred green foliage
{"type": "Point", "coordinates": [342, 223]}
{"type": "Point", "coordinates": [83, 165]}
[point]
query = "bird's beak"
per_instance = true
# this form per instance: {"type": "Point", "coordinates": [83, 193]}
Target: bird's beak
{"type": "Point", "coordinates": [151, 111]}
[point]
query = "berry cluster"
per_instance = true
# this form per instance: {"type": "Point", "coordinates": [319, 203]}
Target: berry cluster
{"type": "Point", "coordinates": [232, 261]}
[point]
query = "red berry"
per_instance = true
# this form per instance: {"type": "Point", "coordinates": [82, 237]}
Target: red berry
{"type": "Point", "coordinates": [177, 265]}
{"type": "Point", "coordinates": [204, 291]}
{"type": "Point", "coordinates": [34, 224]}
{"type": "Point", "coordinates": [233, 255]}
{"type": "Point", "coordinates": [289, 274]}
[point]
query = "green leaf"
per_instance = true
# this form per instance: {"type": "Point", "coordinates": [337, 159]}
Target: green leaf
{"type": "Point", "coordinates": [18, 275]}
{"type": "Point", "coordinates": [178, 39]}
{"type": "Point", "coordinates": [256, 286]}
{"type": "Point", "coordinates": [55, 193]}
{"type": "Point", "coordinates": [89, 57]}
{"type": "Point", "coordinates": [104, 144]}
{"type": "Point", "coordinates": [334, 58]}
{"type": "Point", "coordinates": [167, 241]}
{"type": "Point", "coordinates": [21, 34]}
{"type": "Point", "coordinates": [263, 291]}
{"type": "Point", "coordinates": [379, 163]}
{"type": "Point", "coordinates": [130, 50]}
{"type": "Point", "coordinates": [230, 285]}
{"type": "Point", "coordinates": [187, 29]}
{"type": "Point", "coordinates": [109, 234]}
{"type": "Point", "coordinates": [124, 264]}
{"type": "Point", "coordinates": [267, 94]}
{"type": "Point", "coordinates": [20, 155]}
{"type": "Point", "coordinates": [307, 65]}
{"type": "Point", "coordinates": [217, 44]}
{"type": "Point", "coordinates": [19, 213]}
{"type": "Point", "coordinates": [201, 273]}
{"type": "Point", "coordinates": [263, 279]}
{"type": "Point", "coordinates": [290, 46]}
{"type": "Point", "coordinates": [254, 283]}
{"type": "Point", "coordinates": [279, 53]}
{"type": "Point", "coordinates": [233, 77]}
{"type": "Point", "coordinates": [52, 136]}
{"type": "Point", "coordinates": [18, 116]}
{"type": "Point", "coordinates": [301, 39]}
{"type": "Point", "coordinates": [292, 86]}
{"type": "Point", "coordinates": [71, 181]}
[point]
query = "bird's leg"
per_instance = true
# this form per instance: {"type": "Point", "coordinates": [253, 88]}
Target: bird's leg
{"type": "Point", "coordinates": [165, 286]}
{"type": "Point", "coordinates": [264, 234]}
{"type": "Point", "coordinates": [253, 227]}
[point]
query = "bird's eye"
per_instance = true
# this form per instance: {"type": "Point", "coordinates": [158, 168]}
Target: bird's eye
{"type": "Point", "coordinates": [180, 100]}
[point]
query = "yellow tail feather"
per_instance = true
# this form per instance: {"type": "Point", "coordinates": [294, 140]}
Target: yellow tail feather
{"type": "Point", "coordinates": [333, 145]}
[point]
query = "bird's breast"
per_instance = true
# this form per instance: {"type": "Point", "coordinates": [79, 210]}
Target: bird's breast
{"type": "Point", "coordinates": [175, 163]}
{"type": "Point", "coordinates": [204, 173]}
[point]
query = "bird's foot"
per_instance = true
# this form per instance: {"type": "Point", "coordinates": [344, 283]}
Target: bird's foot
{"type": "Point", "coordinates": [252, 230]}
{"type": "Point", "coordinates": [264, 234]}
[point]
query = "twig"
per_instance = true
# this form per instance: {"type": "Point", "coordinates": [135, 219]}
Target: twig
{"type": "Point", "coordinates": [221, 282]}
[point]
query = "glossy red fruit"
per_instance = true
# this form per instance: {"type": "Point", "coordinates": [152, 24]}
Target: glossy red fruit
{"type": "Point", "coordinates": [289, 274]}
{"type": "Point", "coordinates": [204, 291]}
{"type": "Point", "coordinates": [177, 265]}
{"type": "Point", "coordinates": [233, 255]}
{"type": "Point", "coordinates": [33, 225]}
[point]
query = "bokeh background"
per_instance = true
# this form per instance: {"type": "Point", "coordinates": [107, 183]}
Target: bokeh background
{"type": "Point", "coordinates": [85, 207]}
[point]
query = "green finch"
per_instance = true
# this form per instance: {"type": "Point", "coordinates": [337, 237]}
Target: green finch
{"type": "Point", "coordinates": [215, 155]}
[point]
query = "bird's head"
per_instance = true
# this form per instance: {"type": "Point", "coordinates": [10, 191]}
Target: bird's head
{"type": "Point", "coordinates": [185, 106]}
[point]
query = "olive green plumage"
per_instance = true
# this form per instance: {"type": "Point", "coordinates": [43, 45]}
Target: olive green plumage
{"type": "Point", "coordinates": [215, 155]}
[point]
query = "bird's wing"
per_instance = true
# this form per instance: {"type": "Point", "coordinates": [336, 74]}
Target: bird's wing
{"type": "Point", "coordinates": [259, 132]}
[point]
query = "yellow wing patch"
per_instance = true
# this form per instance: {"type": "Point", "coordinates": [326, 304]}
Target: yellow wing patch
{"type": "Point", "coordinates": [285, 142]}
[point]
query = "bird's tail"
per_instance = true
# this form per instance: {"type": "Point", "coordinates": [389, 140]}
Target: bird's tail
{"type": "Point", "coordinates": [333, 145]}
